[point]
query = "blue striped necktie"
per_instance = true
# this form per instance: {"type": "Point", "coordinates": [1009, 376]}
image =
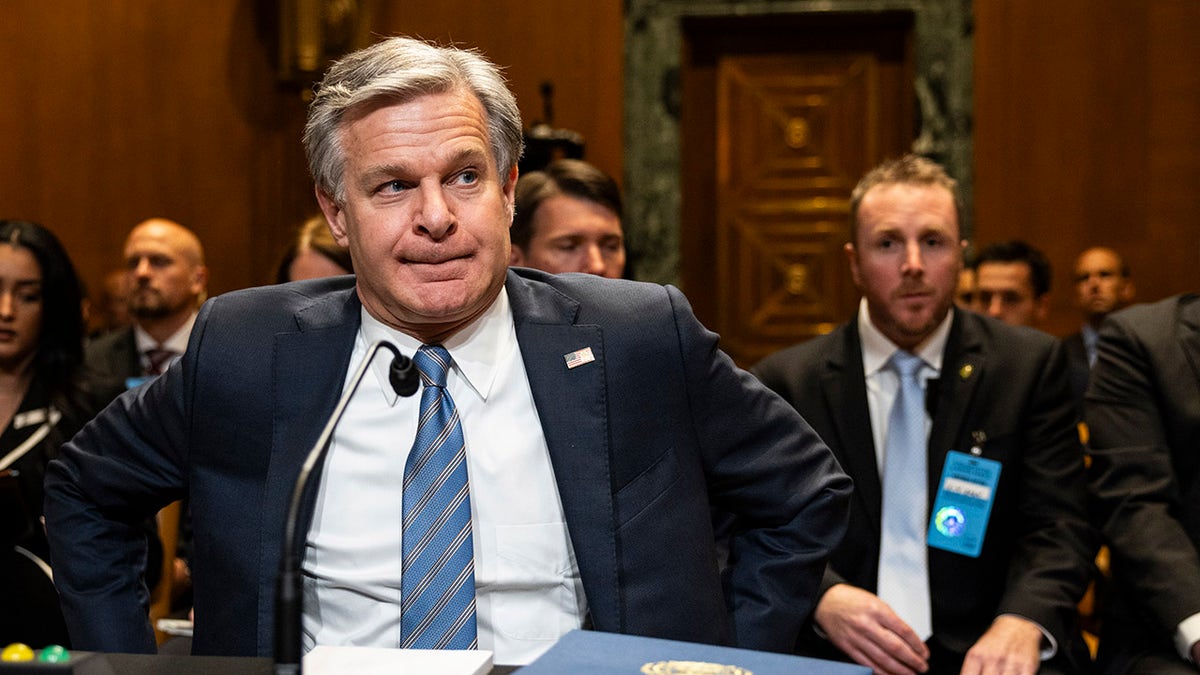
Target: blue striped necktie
{"type": "Point", "coordinates": [903, 568]}
{"type": "Point", "coordinates": [438, 582]}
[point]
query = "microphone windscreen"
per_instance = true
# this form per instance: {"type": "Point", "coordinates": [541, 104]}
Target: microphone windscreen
{"type": "Point", "coordinates": [404, 376]}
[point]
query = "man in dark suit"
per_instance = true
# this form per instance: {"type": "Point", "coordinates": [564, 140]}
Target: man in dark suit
{"type": "Point", "coordinates": [601, 424]}
{"type": "Point", "coordinates": [1143, 411]}
{"type": "Point", "coordinates": [995, 424]}
{"type": "Point", "coordinates": [1102, 286]}
{"type": "Point", "coordinates": [165, 282]}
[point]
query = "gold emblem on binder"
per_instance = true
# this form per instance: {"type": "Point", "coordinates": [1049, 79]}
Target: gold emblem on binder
{"type": "Point", "coordinates": [692, 668]}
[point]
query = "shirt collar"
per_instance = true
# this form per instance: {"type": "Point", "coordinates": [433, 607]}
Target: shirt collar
{"type": "Point", "coordinates": [1090, 335]}
{"type": "Point", "coordinates": [475, 350]}
{"type": "Point", "coordinates": [877, 349]}
{"type": "Point", "coordinates": [177, 342]}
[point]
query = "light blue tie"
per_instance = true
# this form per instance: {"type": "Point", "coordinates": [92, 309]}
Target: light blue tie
{"type": "Point", "coordinates": [903, 567]}
{"type": "Point", "coordinates": [438, 582]}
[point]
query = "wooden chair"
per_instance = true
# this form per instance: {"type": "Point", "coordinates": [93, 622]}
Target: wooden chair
{"type": "Point", "coordinates": [160, 595]}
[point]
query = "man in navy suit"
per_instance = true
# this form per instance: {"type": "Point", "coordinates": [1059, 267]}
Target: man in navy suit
{"type": "Point", "coordinates": [601, 422]}
{"type": "Point", "coordinates": [1001, 547]}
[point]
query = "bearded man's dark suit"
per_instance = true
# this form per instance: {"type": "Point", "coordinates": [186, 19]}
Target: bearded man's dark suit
{"type": "Point", "coordinates": [114, 355]}
{"type": "Point", "coordinates": [1003, 389]}
{"type": "Point", "coordinates": [1143, 413]}
{"type": "Point", "coordinates": [644, 441]}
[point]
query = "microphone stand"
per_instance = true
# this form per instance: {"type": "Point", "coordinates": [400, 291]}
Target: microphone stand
{"type": "Point", "coordinates": [289, 587]}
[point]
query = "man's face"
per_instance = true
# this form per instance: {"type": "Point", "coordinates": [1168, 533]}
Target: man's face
{"type": "Point", "coordinates": [1005, 292]}
{"type": "Point", "coordinates": [163, 271]}
{"type": "Point", "coordinates": [20, 306]}
{"type": "Point", "coordinates": [1100, 285]}
{"type": "Point", "coordinates": [905, 259]}
{"type": "Point", "coordinates": [426, 213]}
{"type": "Point", "coordinates": [574, 235]}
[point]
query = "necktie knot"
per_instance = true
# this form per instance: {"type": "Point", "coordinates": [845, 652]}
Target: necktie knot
{"type": "Point", "coordinates": [157, 359]}
{"type": "Point", "coordinates": [433, 362]}
{"type": "Point", "coordinates": [905, 364]}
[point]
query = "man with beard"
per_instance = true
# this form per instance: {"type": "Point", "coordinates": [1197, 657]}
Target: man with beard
{"type": "Point", "coordinates": [968, 544]}
{"type": "Point", "coordinates": [166, 280]}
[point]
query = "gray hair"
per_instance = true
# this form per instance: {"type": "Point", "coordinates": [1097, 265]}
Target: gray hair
{"type": "Point", "coordinates": [401, 69]}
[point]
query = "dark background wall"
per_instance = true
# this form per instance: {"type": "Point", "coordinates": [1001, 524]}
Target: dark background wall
{"type": "Point", "coordinates": [1085, 121]}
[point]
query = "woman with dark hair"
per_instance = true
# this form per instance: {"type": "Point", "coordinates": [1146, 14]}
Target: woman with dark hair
{"type": "Point", "coordinates": [44, 400]}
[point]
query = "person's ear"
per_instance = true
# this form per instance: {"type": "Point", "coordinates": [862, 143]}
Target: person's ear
{"type": "Point", "coordinates": [1041, 308]}
{"type": "Point", "coordinates": [852, 256]}
{"type": "Point", "coordinates": [516, 256]}
{"type": "Point", "coordinates": [1127, 292]}
{"type": "Point", "coordinates": [510, 192]}
{"type": "Point", "coordinates": [334, 215]}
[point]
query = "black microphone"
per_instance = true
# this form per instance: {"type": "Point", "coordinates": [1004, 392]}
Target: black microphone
{"type": "Point", "coordinates": [289, 587]}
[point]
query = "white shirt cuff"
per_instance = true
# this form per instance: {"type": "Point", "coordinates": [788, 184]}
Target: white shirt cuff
{"type": "Point", "coordinates": [1186, 635]}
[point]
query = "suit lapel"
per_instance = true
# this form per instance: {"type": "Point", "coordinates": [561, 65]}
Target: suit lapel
{"type": "Point", "coordinates": [846, 403]}
{"type": "Point", "coordinates": [572, 406]}
{"type": "Point", "coordinates": [963, 364]}
{"type": "Point", "coordinates": [1189, 332]}
{"type": "Point", "coordinates": [308, 370]}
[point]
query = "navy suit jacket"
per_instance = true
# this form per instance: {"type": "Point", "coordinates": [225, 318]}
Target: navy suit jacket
{"type": "Point", "coordinates": [1143, 413]}
{"type": "Point", "coordinates": [1001, 388]}
{"type": "Point", "coordinates": [644, 441]}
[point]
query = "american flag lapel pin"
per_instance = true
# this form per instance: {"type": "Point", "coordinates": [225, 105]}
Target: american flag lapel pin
{"type": "Point", "coordinates": [579, 357]}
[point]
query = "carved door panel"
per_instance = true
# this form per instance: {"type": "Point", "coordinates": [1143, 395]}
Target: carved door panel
{"type": "Point", "coordinates": [786, 130]}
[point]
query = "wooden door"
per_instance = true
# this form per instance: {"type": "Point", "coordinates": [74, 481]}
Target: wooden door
{"type": "Point", "coordinates": [781, 115]}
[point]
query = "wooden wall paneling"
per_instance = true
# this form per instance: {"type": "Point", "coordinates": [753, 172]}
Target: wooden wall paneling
{"type": "Point", "coordinates": [576, 45]}
{"type": "Point", "coordinates": [781, 115]}
{"type": "Point", "coordinates": [1173, 140]}
{"type": "Point", "coordinates": [1085, 134]}
{"type": "Point", "coordinates": [136, 109]}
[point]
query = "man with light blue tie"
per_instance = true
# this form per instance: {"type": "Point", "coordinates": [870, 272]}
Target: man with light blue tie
{"type": "Point", "coordinates": [558, 469]}
{"type": "Point", "coordinates": [968, 544]}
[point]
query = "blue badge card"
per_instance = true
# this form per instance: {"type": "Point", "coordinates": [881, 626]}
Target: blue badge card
{"type": "Point", "coordinates": [131, 382]}
{"type": "Point", "coordinates": [963, 504]}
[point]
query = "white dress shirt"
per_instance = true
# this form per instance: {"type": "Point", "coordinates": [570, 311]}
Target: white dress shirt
{"type": "Point", "coordinates": [528, 590]}
{"type": "Point", "coordinates": [1186, 635]}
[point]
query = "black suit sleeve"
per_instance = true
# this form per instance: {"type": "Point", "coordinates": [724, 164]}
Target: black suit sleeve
{"type": "Point", "coordinates": [1054, 544]}
{"type": "Point", "coordinates": [1139, 494]}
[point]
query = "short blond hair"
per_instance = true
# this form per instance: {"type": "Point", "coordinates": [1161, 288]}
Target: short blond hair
{"type": "Point", "coordinates": [908, 170]}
